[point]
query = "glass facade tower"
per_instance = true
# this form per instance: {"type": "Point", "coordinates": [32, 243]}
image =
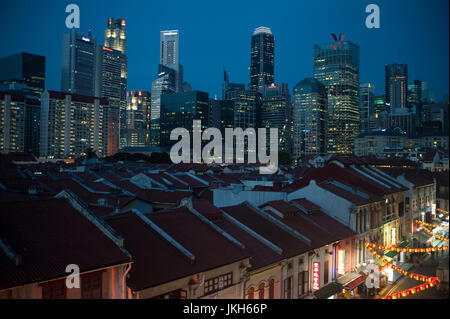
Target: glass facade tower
{"type": "Point", "coordinates": [309, 117]}
{"type": "Point", "coordinates": [262, 59]}
{"type": "Point", "coordinates": [336, 66]}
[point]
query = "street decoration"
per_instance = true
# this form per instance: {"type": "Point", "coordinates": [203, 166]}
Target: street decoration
{"type": "Point", "coordinates": [408, 250]}
{"type": "Point", "coordinates": [430, 232]}
{"type": "Point", "coordinates": [442, 211]}
{"type": "Point", "coordinates": [428, 280]}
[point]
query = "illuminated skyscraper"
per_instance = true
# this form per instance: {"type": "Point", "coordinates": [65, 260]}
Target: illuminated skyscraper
{"type": "Point", "coordinates": [78, 63]}
{"type": "Point", "coordinates": [336, 66]}
{"type": "Point", "coordinates": [276, 113]}
{"type": "Point", "coordinates": [262, 59]}
{"type": "Point", "coordinates": [169, 55]}
{"type": "Point", "coordinates": [396, 81]}
{"type": "Point", "coordinates": [138, 118]}
{"type": "Point", "coordinates": [309, 119]}
{"type": "Point", "coordinates": [164, 84]}
{"type": "Point", "coordinates": [115, 38]}
{"type": "Point", "coordinates": [109, 85]}
{"type": "Point", "coordinates": [366, 105]}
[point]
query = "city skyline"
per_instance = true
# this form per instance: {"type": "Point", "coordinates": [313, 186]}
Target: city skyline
{"type": "Point", "coordinates": [204, 70]}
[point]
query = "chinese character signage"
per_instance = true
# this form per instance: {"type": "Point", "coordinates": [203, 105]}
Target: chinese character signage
{"type": "Point", "coordinates": [341, 261]}
{"type": "Point", "coordinates": [316, 275]}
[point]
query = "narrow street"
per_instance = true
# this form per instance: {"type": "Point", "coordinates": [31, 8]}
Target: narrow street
{"type": "Point", "coordinates": [428, 268]}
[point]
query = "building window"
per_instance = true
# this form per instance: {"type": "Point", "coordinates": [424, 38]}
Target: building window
{"type": "Point", "coordinates": [302, 283]}
{"type": "Point", "coordinates": [251, 293]}
{"type": "Point", "coordinates": [288, 288]}
{"type": "Point", "coordinates": [176, 294]}
{"type": "Point", "coordinates": [325, 272]}
{"type": "Point", "coordinates": [272, 289]}
{"type": "Point", "coordinates": [91, 285]}
{"type": "Point", "coordinates": [54, 290]}
{"type": "Point", "coordinates": [261, 291]}
{"type": "Point", "coordinates": [218, 283]}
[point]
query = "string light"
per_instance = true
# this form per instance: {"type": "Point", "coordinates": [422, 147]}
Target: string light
{"type": "Point", "coordinates": [408, 250]}
{"type": "Point", "coordinates": [400, 270]}
{"type": "Point", "coordinates": [442, 211]}
{"type": "Point", "coordinates": [430, 232]}
{"type": "Point", "coordinates": [431, 225]}
{"type": "Point", "coordinates": [411, 291]}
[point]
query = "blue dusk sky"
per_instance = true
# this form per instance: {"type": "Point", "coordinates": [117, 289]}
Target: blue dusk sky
{"type": "Point", "coordinates": [216, 34]}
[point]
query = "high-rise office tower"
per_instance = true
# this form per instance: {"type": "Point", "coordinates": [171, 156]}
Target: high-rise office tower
{"type": "Point", "coordinates": [336, 65]}
{"type": "Point", "coordinates": [228, 86]}
{"type": "Point", "coordinates": [179, 110]}
{"type": "Point", "coordinates": [169, 55]}
{"type": "Point", "coordinates": [115, 38]}
{"type": "Point", "coordinates": [24, 68]}
{"type": "Point", "coordinates": [366, 105]}
{"type": "Point", "coordinates": [164, 84]}
{"type": "Point", "coordinates": [221, 114]}
{"type": "Point", "coordinates": [71, 124]}
{"type": "Point", "coordinates": [262, 59]}
{"type": "Point", "coordinates": [246, 105]}
{"type": "Point", "coordinates": [109, 85]}
{"type": "Point", "coordinates": [379, 104]}
{"type": "Point", "coordinates": [78, 63]}
{"type": "Point", "coordinates": [396, 81]}
{"type": "Point", "coordinates": [275, 112]}
{"type": "Point", "coordinates": [138, 118]}
{"type": "Point", "coordinates": [309, 119]}
{"type": "Point", "coordinates": [428, 94]}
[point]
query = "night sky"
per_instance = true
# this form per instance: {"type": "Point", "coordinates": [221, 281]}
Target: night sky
{"type": "Point", "coordinates": [215, 33]}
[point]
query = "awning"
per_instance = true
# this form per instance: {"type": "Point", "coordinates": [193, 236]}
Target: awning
{"type": "Point", "coordinates": [348, 278]}
{"type": "Point", "coordinates": [355, 283]}
{"type": "Point", "coordinates": [352, 280]}
{"type": "Point", "coordinates": [328, 290]}
{"type": "Point", "coordinates": [392, 254]}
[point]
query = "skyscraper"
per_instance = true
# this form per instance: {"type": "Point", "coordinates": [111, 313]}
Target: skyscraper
{"type": "Point", "coordinates": [115, 38]}
{"type": "Point", "coordinates": [164, 84]}
{"type": "Point", "coordinates": [138, 118]}
{"type": "Point", "coordinates": [24, 68]}
{"type": "Point", "coordinates": [169, 55]}
{"type": "Point", "coordinates": [78, 63]}
{"type": "Point", "coordinates": [336, 65]}
{"type": "Point", "coordinates": [309, 119]}
{"type": "Point", "coordinates": [366, 105]}
{"type": "Point", "coordinates": [246, 105]}
{"type": "Point", "coordinates": [396, 81]}
{"type": "Point", "coordinates": [179, 110]}
{"type": "Point", "coordinates": [108, 84]}
{"type": "Point", "coordinates": [276, 113]}
{"type": "Point", "coordinates": [262, 59]}
{"type": "Point", "coordinates": [227, 86]}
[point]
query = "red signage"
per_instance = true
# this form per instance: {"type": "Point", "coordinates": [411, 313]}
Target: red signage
{"type": "Point", "coordinates": [107, 49]}
{"type": "Point", "coordinates": [316, 275]}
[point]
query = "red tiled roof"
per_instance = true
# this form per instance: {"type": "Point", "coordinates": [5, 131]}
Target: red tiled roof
{"type": "Point", "coordinates": [161, 262]}
{"type": "Point", "coordinates": [291, 245]}
{"type": "Point", "coordinates": [49, 235]}
{"type": "Point", "coordinates": [206, 208]}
